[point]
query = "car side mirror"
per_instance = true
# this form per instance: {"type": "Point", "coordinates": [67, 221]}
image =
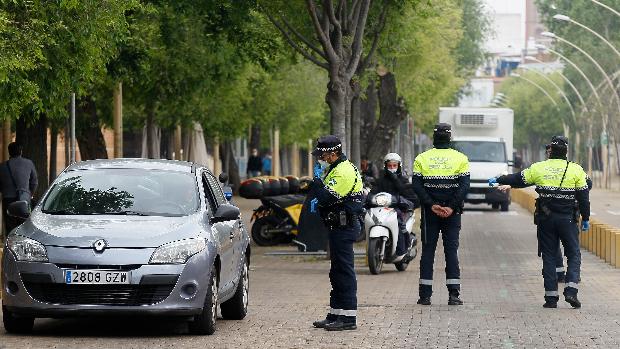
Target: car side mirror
{"type": "Point", "coordinates": [19, 209]}
{"type": "Point", "coordinates": [223, 177]}
{"type": "Point", "coordinates": [510, 163]}
{"type": "Point", "coordinates": [226, 212]}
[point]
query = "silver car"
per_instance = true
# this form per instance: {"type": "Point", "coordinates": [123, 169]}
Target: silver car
{"type": "Point", "coordinates": [127, 236]}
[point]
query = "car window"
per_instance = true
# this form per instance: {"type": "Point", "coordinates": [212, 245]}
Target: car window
{"type": "Point", "coordinates": [217, 189]}
{"type": "Point", "coordinates": [211, 202]}
{"type": "Point", "coordinates": [123, 192]}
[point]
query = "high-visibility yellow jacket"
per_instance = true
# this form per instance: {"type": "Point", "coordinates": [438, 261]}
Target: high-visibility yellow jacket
{"type": "Point", "coordinates": [340, 186]}
{"type": "Point", "coordinates": [441, 176]}
{"type": "Point", "coordinates": [558, 182]}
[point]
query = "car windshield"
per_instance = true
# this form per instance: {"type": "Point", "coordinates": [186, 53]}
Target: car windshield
{"type": "Point", "coordinates": [123, 192]}
{"type": "Point", "coordinates": [478, 151]}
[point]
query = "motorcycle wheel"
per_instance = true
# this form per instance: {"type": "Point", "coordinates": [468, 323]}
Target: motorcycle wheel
{"type": "Point", "coordinates": [375, 262]}
{"type": "Point", "coordinates": [259, 231]}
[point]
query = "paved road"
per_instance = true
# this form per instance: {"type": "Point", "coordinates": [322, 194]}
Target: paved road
{"type": "Point", "coordinates": [502, 290]}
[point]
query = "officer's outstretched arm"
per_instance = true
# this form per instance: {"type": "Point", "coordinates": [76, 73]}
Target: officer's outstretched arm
{"type": "Point", "coordinates": [515, 180]}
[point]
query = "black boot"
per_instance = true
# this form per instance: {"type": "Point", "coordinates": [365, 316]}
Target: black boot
{"type": "Point", "coordinates": [572, 300]}
{"type": "Point", "coordinates": [344, 323]}
{"type": "Point", "coordinates": [328, 319]}
{"type": "Point", "coordinates": [454, 299]}
{"type": "Point", "coordinates": [551, 302]}
{"type": "Point", "coordinates": [424, 301]}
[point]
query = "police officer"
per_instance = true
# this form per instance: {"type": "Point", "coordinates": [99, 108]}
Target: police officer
{"type": "Point", "coordinates": [558, 183]}
{"type": "Point", "coordinates": [441, 181]}
{"type": "Point", "coordinates": [337, 188]}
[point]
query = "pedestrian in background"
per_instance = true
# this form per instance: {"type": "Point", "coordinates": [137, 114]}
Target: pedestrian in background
{"type": "Point", "coordinates": [18, 181]}
{"type": "Point", "coordinates": [255, 164]}
{"type": "Point", "coordinates": [267, 164]}
{"type": "Point", "coordinates": [441, 181]}
{"type": "Point", "coordinates": [558, 184]}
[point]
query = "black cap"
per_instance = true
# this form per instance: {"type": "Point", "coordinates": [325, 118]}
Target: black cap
{"type": "Point", "coordinates": [559, 141]}
{"type": "Point", "coordinates": [327, 144]}
{"type": "Point", "coordinates": [443, 127]}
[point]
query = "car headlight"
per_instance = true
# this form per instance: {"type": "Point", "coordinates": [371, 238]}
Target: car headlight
{"type": "Point", "coordinates": [383, 199]}
{"type": "Point", "coordinates": [26, 249]}
{"type": "Point", "coordinates": [177, 252]}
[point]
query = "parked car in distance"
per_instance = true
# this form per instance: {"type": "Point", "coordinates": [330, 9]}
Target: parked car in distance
{"type": "Point", "coordinates": [128, 236]}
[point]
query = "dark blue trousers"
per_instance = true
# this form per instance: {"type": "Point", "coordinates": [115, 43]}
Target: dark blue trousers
{"type": "Point", "coordinates": [551, 231]}
{"type": "Point", "coordinates": [343, 296]}
{"type": "Point", "coordinates": [431, 226]}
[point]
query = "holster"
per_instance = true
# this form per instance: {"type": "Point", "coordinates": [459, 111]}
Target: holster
{"type": "Point", "coordinates": [338, 219]}
{"type": "Point", "coordinates": [542, 210]}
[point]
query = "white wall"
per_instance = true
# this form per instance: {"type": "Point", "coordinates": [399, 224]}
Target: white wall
{"type": "Point", "coordinates": [508, 26]}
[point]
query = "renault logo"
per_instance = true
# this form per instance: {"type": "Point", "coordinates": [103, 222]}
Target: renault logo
{"type": "Point", "coordinates": [100, 245]}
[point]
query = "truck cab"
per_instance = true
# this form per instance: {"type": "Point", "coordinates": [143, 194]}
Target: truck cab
{"type": "Point", "coordinates": [484, 135]}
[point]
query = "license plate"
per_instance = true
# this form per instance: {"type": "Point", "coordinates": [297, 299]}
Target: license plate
{"type": "Point", "coordinates": [96, 277]}
{"type": "Point", "coordinates": [475, 196]}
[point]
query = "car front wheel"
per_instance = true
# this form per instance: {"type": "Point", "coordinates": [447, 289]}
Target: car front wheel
{"type": "Point", "coordinates": [236, 308]}
{"type": "Point", "coordinates": [15, 324]}
{"type": "Point", "coordinates": [204, 323]}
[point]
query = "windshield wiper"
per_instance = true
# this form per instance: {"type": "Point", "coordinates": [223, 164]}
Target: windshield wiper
{"type": "Point", "coordinates": [60, 212]}
{"type": "Point", "coordinates": [122, 213]}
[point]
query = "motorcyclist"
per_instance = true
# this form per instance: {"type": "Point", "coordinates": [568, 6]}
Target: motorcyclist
{"type": "Point", "coordinates": [393, 181]}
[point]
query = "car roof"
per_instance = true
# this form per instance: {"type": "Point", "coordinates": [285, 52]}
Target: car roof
{"type": "Point", "coordinates": [131, 163]}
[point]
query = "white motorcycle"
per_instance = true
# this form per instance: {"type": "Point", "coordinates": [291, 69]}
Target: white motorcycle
{"type": "Point", "coordinates": [381, 226]}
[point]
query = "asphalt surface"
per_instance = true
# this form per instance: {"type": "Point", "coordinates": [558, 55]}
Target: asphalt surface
{"type": "Point", "coordinates": [501, 286]}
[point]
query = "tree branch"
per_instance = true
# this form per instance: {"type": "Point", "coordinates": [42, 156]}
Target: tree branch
{"type": "Point", "coordinates": [356, 47]}
{"type": "Point", "coordinates": [297, 48]}
{"type": "Point", "coordinates": [376, 35]}
{"type": "Point", "coordinates": [321, 34]}
{"type": "Point", "coordinates": [303, 39]}
{"type": "Point", "coordinates": [355, 18]}
{"type": "Point", "coordinates": [343, 14]}
{"type": "Point", "coordinates": [353, 12]}
{"type": "Point", "coordinates": [328, 7]}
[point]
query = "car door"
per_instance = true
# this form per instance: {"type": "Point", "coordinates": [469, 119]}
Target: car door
{"type": "Point", "coordinates": [223, 232]}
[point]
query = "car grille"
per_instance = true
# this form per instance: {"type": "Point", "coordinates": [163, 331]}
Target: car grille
{"type": "Point", "coordinates": [126, 295]}
{"type": "Point", "coordinates": [125, 267]}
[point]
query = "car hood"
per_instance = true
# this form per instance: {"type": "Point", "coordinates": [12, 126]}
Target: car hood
{"type": "Point", "coordinates": [119, 232]}
{"type": "Point", "coordinates": [486, 170]}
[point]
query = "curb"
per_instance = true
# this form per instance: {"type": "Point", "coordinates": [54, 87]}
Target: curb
{"type": "Point", "coordinates": [601, 239]}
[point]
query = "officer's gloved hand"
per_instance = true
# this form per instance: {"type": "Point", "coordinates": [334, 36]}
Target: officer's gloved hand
{"type": "Point", "coordinates": [492, 181]}
{"type": "Point", "coordinates": [585, 225]}
{"type": "Point", "coordinates": [317, 171]}
{"type": "Point", "coordinates": [314, 203]}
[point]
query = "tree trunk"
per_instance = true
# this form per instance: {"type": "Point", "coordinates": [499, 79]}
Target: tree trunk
{"type": "Point", "coordinates": [230, 165]}
{"type": "Point", "coordinates": [88, 131]}
{"type": "Point", "coordinates": [33, 138]}
{"type": "Point", "coordinates": [393, 112]}
{"type": "Point", "coordinates": [152, 150]}
{"type": "Point", "coordinates": [355, 155]}
{"type": "Point", "coordinates": [53, 153]}
{"type": "Point", "coordinates": [254, 137]}
{"type": "Point", "coordinates": [336, 99]}
{"type": "Point", "coordinates": [368, 116]}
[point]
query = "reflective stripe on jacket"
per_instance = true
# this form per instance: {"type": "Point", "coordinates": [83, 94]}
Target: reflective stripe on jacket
{"type": "Point", "coordinates": [559, 194]}
{"type": "Point", "coordinates": [441, 176]}
{"type": "Point", "coordinates": [340, 186]}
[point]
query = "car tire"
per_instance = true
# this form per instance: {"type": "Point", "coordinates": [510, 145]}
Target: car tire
{"type": "Point", "coordinates": [236, 308]}
{"type": "Point", "coordinates": [15, 324]}
{"type": "Point", "coordinates": [495, 205]}
{"type": "Point", "coordinates": [504, 206]}
{"type": "Point", "coordinates": [204, 323]}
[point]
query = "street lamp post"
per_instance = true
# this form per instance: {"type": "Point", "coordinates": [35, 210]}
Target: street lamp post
{"type": "Point", "coordinates": [565, 18]}
{"type": "Point", "coordinates": [544, 76]}
{"type": "Point", "coordinates": [607, 7]}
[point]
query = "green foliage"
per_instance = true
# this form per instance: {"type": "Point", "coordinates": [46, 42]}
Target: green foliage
{"type": "Point", "coordinates": [432, 47]}
{"type": "Point", "coordinates": [537, 119]}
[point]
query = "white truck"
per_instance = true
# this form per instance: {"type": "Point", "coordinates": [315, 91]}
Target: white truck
{"type": "Point", "coordinates": [485, 136]}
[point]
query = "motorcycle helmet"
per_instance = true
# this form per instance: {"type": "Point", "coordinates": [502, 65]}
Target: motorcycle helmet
{"type": "Point", "coordinates": [392, 157]}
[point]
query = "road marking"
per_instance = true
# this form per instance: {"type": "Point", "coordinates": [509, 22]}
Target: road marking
{"type": "Point", "coordinates": [473, 212]}
{"type": "Point", "coordinates": [510, 213]}
{"type": "Point", "coordinates": [615, 213]}
{"type": "Point", "coordinates": [592, 213]}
